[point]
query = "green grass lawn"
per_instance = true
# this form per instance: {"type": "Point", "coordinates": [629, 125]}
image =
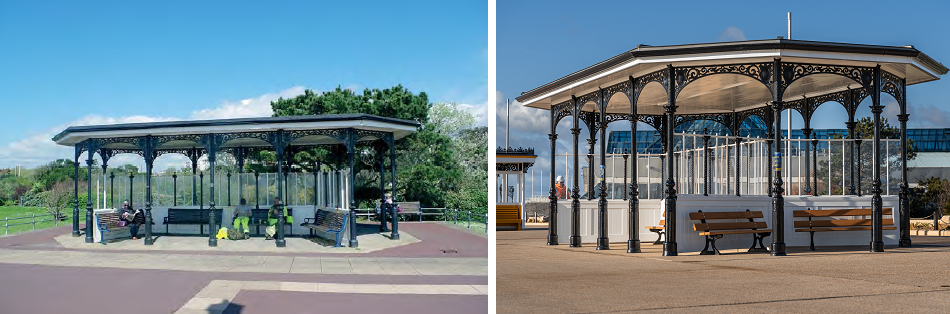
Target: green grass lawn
{"type": "Point", "coordinates": [21, 211]}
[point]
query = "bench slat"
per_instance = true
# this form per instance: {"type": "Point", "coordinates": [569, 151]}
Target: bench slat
{"type": "Point", "coordinates": [838, 212]}
{"type": "Point", "coordinates": [842, 229]}
{"type": "Point", "coordinates": [734, 232]}
{"type": "Point", "coordinates": [729, 226]}
{"type": "Point", "coordinates": [839, 223]}
{"type": "Point", "coordinates": [725, 215]}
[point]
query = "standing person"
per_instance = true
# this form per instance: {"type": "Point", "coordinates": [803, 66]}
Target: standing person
{"type": "Point", "coordinates": [242, 215]}
{"type": "Point", "coordinates": [561, 188]}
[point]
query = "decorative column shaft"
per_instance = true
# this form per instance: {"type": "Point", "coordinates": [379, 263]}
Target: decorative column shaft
{"type": "Point", "coordinates": [857, 143]}
{"type": "Point", "coordinates": [76, 194]}
{"type": "Point", "coordinates": [174, 189]}
{"type": "Point", "coordinates": [393, 214]}
{"type": "Point", "coordinates": [738, 169]}
{"type": "Point", "coordinates": [603, 242]}
{"type": "Point", "coordinates": [625, 163]}
{"type": "Point", "coordinates": [877, 204]}
{"type": "Point", "coordinates": [90, 222]}
{"type": "Point", "coordinates": [669, 247]}
{"type": "Point", "coordinates": [633, 232]}
{"type": "Point", "coordinates": [814, 162]}
{"type": "Point", "coordinates": [575, 240]}
{"type": "Point", "coordinates": [112, 189]}
{"type": "Point", "coordinates": [778, 201]}
{"type": "Point", "coordinates": [705, 162]}
{"type": "Point", "coordinates": [851, 126]}
{"type": "Point", "coordinates": [904, 201]}
{"type": "Point", "coordinates": [552, 192]}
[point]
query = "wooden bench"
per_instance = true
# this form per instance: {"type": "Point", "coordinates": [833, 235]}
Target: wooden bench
{"type": "Point", "coordinates": [327, 224]}
{"type": "Point", "coordinates": [508, 215]}
{"type": "Point", "coordinates": [715, 230]}
{"type": "Point", "coordinates": [659, 230]}
{"type": "Point", "coordinates": [411, 208]}
{"type": "Point", "coordinates": [832, 224]}
{"type": "Point", "coordinates": [259, 218]}
{"type": "Point", "coordinates": [109, 223]}
{"type": "Point", "coordinates": [190, 216]}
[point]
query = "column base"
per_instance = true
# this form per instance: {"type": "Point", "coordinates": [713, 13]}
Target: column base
{"type": "Point", "coordinates": [877, 246]}
{"type": "Point", "coordinates": [149, 240]}
{"type": "Point", "coordinates": [904, 243]}
{"type": "Point", "coordinates": [633, 246]}
{"type": "Point", "coordinates": [89, 239]}
{"type": "Point", "coordinates": [669, 249]}
{"type": "Point", "coordinates": [75, 233]}
{"type": "Point", "coordinates": [552, 239]}
{"type": "Point", "coordinates": [281, 242]}
{"type": "Point", "coordinates": [603, 244]}
{"type": "Point", "coordinates": [353, 243]}
{"type": "Point", "coordinates": [213, 242]}
{"type": "Point", "coordinates": [394, 236]}
{"type": "Point", "coordinates": [778, 249]}
{"type": "Point", "coordinates": [575, 241]}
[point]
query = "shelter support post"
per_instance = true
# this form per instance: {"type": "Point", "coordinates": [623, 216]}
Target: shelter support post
{"type": "Point", "coordinates": [552, 192]}
{"type": "Point", "coordinates": [778, 201]}
{"type": "Point", "coordinates": [904, 202]}
{"type": "Point", "coordinates": [76, 190]}
{"type": "Point", "coordinates": [350, 150]}
{"type": "Point", "coordinates": [90, 151]}
{"type": "Point", "coordinates": [814, 163]}
{"type": "Point", "coordinates": [877, 204]}
{"type": "Point", "coordinates": [738, 166]}
{"type": "Point", "coordinates": [280, 145]}
{"type": "Point", "coordinates": [669, 247]}
{"type": "Point", "coordinates": [705, 162]}
{"type": "Point", "coordinates": [393, 214]}
{"type": "Point", "coordinates": [603, 243]}
{"type": "Point", "coordinates": [806, 132]}
{"type": "Point", "coordinates": [147, 144]}
{"type": "Point", "coordinates": [633, 240]}
{"type": "Point", "coordinates": [174, 189]}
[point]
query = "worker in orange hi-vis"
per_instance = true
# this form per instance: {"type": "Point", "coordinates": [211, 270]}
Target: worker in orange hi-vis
{"type": "Point", "coordinates": [561, 188]}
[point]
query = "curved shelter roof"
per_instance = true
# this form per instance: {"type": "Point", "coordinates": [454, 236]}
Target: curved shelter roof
{"type": "Point", "coordinates": [712, 85]}
{"type": "Point", "coordinates": [244, 132]}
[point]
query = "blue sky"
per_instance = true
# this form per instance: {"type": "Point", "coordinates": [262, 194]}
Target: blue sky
{"type": "Point", "coordinates": [72, 62]}
{"type": "Point", "coordinates": [540, 41]}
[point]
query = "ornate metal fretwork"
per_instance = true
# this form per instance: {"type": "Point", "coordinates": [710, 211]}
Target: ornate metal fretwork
{"type": "Point", "coordinates": [104, 142]}
{"type": "Point", "coordinates": [791, 72]}
{"type": "Point", "coordinates": [593, 97]}
{"type": "Point", "coordinates": [894, 86]}
{"type": "Point", "coordinates": [590, 119]}
{"type": "Point", "coordinates": [519, 150]}
{"type": "Point", "coordinates": [562, 110]}
{"type": "Point", "coordinates": [611, 117]}
{"type": "Point", "coordinates": [510, 167]}
{"type": "Point", "coordinates": [622, 88]}
{"type": "Point", "coordinates": [194, 138]}
{"type": "Point", "coordinates": [184, 152]}
{"type": "Point", "coordinates": [337, 134]}
{"type": "Point", "coordinates": [726, 119]}
{"type": "Point", "coordinates": [264, 136]}
{"type": "Point", "coordinates": [761, 72]}
{"type": "Point", "coordinates": [373, 135]}
{"type": "Point", "coordinates": [660, 76]}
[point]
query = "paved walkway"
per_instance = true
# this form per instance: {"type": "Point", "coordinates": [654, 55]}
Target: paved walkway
{"type": "Point", "coordinates": [535, 278]}
{"type": "Point", "coordinates": [417, 276]}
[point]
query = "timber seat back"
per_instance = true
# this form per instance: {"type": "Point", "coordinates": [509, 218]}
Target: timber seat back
{"type": "Point", "coordinates": [658, 229]}
{"type": "Point", "coordinates": [108, 224]}
{"type": "Point", "coordinates": [820, 220]}
{"type": "Point", "coordinates": [259, 218]}
{"type": "Point", "coordinates": [715, 230]}
{"type": "Point", "coordinates": [190, 216]}
{"type": "Point", "coordinates": [412, 208]}
{"type": "Point", "coordinates": [508, 215]}
{"type": "Point", "coordinates": [328, 224]}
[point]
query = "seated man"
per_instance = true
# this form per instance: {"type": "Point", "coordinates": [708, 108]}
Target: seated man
{"type": "Point", "coordinates": [272, 216]}
{"type": "Point", "coordinates": [242, 215]}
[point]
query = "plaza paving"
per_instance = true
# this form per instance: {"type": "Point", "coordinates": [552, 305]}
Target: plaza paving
{"type": "Point", "coordinates": [50, 272]}
{"type": "Point", "coordinates": [535, 278]}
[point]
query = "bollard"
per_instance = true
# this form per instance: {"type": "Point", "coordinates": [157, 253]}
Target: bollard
{"type": "Point", "coordinates": [34, 221]}
{"type": "Point", "coordinates": [456, 217]}
{"type": "Point", "coordinates": [486, 223]}
{"type": "Point", "coordinates": [6, 225]}
{"type": "Point", "coordinates": [469, 220]}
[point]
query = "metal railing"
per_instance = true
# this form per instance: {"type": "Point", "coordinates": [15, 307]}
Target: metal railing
{"type": "Point", "coordinates": [467, 218]}
{"type": "Point", "coordinates": [32, 220]}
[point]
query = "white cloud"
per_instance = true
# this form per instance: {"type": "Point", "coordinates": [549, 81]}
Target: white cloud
{"type": "Point", "coordinates": [37, 149]}
{"type": "Point", "coordinates": [252, 107]}
{"type": "Point", "coordinates": [480, 111]}
{"type": "Point", "coordinates": [732, 33]}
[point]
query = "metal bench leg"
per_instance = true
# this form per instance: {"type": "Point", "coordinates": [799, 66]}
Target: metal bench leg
{"type": "Point", "coordinates": [659, 237]}
{"type": "Point", "coordinates": [757, 237]}
{"type": "Point", "coordinates": [711, 239]}
{"type": "Point", "coordinates": [812, 240]}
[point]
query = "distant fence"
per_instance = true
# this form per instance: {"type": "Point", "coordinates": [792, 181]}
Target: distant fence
{"type": "Point", "coordinates": [32, 220]}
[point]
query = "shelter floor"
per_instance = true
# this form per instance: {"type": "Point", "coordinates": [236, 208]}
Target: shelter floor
{"type": "Point", "coordinates": [535, 278]}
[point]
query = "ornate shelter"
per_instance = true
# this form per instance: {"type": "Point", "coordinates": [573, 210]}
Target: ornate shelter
{"type": "Point", "coordinates": [666, 86]}
{"type": "Point", "coordinates": [284, 135]}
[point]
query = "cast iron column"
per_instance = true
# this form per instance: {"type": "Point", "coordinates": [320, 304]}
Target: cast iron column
{"type": "Point", "coordinates": [201, 190]}
{"type": "Point", "coordinates": [174, 189]}
{"type": "Point", "coordinates": [625, 161]}
{"type": "Point", "coordinates": [575, 192]}
{"type": "Point", "coordinates": [279, 148]}
{"type": "Point", "coordinates": [768, 144]}
{"type": "Point", "coordinates": [590, 156]}
{"type": "Point", "coordinates": [877, 217]}
{"type": "Point", "coordinates": [663, 170]}
{"type": "Point", "coordinates": [350, 152]}
{"type": "Point", "coordinates": [90, 150]}
{"type": "Point", "coordinates": [633, 232]}
{"type": "Point", "coordinates": [851, 124]}
{"type": "Point", "coordinates": [778, 202]}
{"type": "Point", "coordinates": [76, 194]}
{"type": "Point", "coordinates": [383, 208]}
{"type": "Point", "coordinates": [393, 214]}
{"type": "Point", "coordinates": [229, 187]}
{"type": "Point", "coordinates": [149, 161]}
{"type": "Point", "coordinates": [814, 162]}
{"type": "Point", "coordinates": [603, 243]}
{"type": "Point", "coordinates": [806, 132]}
{"type": "Point", "coordinates": [552, 192]}
{"type": "Point", "coordinates": [257, 190]}
{"type": "Point", "coordinates": [904, 202]}
{"type": "Point", "coordinates": [705, 162]}
{"type": "Point", "coordinates": [212, 223]}
{"type": "Point", "coordinates": [669, 247]}
{"type": "Point", "coordinates": [131, 184]}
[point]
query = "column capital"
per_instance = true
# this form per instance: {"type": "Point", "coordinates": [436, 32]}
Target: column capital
{"type": "Point", "coordinates": [777, 105]}
{"type": "Point", "coordinates": [552, 136]}
{"type": "Point", "coordinates": [877, 109]}
{"type": "Point", "coordinates": [576, 131]}
{"type": "Point", "coordinates": [670, 109]}
{"type": "Point", "coordinates": [850, 125]}
{"type": "Point", "coordinates": [903, 117]}
{"type": "Point", "coordinates": [806, 131]}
